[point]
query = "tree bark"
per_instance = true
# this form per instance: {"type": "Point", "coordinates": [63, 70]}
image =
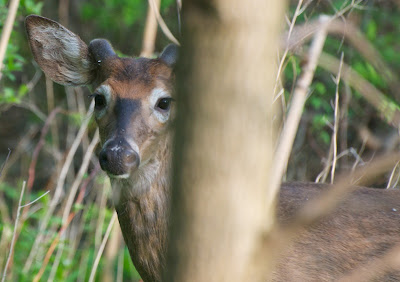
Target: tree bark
{"type": "Point", "coordinates": [221, 205]}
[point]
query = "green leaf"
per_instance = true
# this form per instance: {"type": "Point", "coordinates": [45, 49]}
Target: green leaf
{"type": "Point", "coordinates": [371, 30]}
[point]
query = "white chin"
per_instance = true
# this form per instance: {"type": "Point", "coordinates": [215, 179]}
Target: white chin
{"type": "Point", "coordinates": [122, 176]}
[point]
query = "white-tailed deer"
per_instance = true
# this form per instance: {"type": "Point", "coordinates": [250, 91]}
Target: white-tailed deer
{"type": "Point", "coordinates": [133, 104]}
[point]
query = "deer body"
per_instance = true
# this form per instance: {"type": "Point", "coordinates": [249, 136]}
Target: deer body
{"type": "Point", "coordinates": [133, 112]}
{"type": "Point", "coordinates": [362, 228]}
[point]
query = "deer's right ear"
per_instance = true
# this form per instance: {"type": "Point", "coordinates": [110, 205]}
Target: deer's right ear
{"type": "Point", "coordinates": [61, 54]}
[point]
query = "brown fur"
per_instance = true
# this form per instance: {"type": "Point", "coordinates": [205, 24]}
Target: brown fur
{"type": "Point", "coordinates": [363, 227]}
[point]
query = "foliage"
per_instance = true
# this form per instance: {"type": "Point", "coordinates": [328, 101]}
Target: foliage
{"type": "Point", "coordinates": [15, 60]}
{"type": "Point", "coordinates": [123, 22]}
{"type": "Point", "coordinates": [378, 24]}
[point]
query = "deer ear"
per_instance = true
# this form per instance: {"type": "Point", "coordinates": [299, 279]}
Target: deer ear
{"type": "Point", "coordinates": [61, 54]}
{"type": "Point", "coordinates": [169, 55]}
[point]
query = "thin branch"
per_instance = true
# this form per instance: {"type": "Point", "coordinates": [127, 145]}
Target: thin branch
{"type": "Point", "coordinates": [150, 32]}
{"type": "Point", "coordinates": [79, 177]}
{"type": "Point", "coordinates": [324, 205]}
{"type": "Point", "coordinates": [58, 190]}
{"type": "Point", "coordinates": [14, 233]}
{"type": "Point", "coordinates": [31, 107]}
{"type": "Point", "coordinates": [5, 35]}
{"type": "Point", "coordinates": [336, 122]}
{"type": "Point", "coordinates": [34, 201]}
{"type": "Point", "coordinates": [299, 97]}
{"type": "Point", "coordinates": [36, 151]}
{"type": "Point", "coordinates": [103, 244]}
{"type": "Point", "coordinates": [315, 209]}
{"type": "Point", "coordinates": [375, 267]}
{"type": "Point", "coordinates": [50, 108]}
{"type": "Point", "coordinates": [5, 162]}
{"type": "Point", "coordinates": [297, 12]}
{"type": "Point", "coordinates": [71, 216]}
{"type": "Point", "coordinates": [73, 191]}
{"type": "Point", "coordinates": [376, 98]}
{"type": "Point", "coordinates": [162, 24]}
{"type": "Point", "coordinates": [395, 172]}
{"type": "Point", "coordinates": [35, 79]}
{"type": "Point", "coordinates": [332, 155]}
{"type": "Point", "coordinates": [302, 33]}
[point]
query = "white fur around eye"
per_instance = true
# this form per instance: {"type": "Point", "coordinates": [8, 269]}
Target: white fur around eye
{"type": "Point", "coordinates": [155, 96]}
{"type": "Point", "coordinates": [104, 90]}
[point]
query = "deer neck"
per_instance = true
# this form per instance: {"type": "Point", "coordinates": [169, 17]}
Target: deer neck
{"type": "Point", "coordinates": [142, 209]}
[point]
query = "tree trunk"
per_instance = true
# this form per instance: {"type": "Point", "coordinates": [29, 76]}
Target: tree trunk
{"type": "Point", "coordinates": [221, 205]}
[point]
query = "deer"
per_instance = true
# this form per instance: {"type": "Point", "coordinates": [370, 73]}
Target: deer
{"type": "Point", "coordinates": [134, 110]}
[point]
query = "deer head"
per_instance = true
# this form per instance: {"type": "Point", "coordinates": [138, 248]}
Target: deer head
{"type": "Point", "coordinates": [132, 96]}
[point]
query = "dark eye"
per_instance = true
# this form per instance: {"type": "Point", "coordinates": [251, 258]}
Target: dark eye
{"type": "Point", "coordinates": [100, 102]}
{"type": "Point", "coordinates": [164, 104]}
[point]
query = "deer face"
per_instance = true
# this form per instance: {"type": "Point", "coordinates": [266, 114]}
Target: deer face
{"type": "Point", "coordinates": [132, 95]}
{"type": "Point", "coordinates": [132, 109]}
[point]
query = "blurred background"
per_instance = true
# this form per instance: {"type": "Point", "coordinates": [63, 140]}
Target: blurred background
{"type": "Point", "coordinates": [46, 141]}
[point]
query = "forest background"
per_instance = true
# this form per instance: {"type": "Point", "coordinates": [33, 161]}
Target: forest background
{"type": "Point", "coordinates": [47, 144]}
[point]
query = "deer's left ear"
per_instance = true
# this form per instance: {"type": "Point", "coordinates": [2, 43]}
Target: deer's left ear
{"type": "Point", "coordinates": [169, 55]}
{"type": "Point", "coordinates": [61, 54]}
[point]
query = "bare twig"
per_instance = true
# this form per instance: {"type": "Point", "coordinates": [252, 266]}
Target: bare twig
{"type": "Point", "coordinates": [80, 227]}
{"type": "Point", "coordinates": [302, 33]}
{"type": "Point", "coordinates": [25, 140]}
{"type": "Point", "coordinates": [102, 202]}
{"type": "Point", "coordinates": [63, 11]}
{"type": "Point", "coordinates": [120, 266]}
{"type": "Point", "coordinates": [14, 233]}
{"type": "Point", "coordinates": [324, 205]}
{"type": "Point", "coordinates": [299, 96]}
{"type": "Point", "coordinates": [58, 190]}
{"type": "Point", "coordinates": [37, 199]}
{"type": "Point", "coordinates": [5, 162]}
{"type": "Point", "coordinates": [81, 106]}
{"type": "Point", "coordinates": [178, 10]}
{"type": "Point", "coordinates": [72, 194]}
{"type": "Point", "coordinates": [55, 242]}
{"type": "Point", "coordinates": [35, 79]}
{"type": "Point", "coordinates": [150, 31]}
{"type": "Point", "coordinates": [79, 177]}
{"type": "Point", "coordinates": [317, 208]}
{"type": "Point", "coordinates": [50, 107]}
{"type": "Point", "coordinates": [336, 122]}
{"type": "Point", "coordinates": [5, 35]}
{"type": "Point", "coordinates": [297, 12]}
{"type": "Point", "coordinates": [332, 155]}
{"type": "Point", "coordinates": [33, 108]}
{"type": "Point", "coordinates": [375, 267]}
{"type": "Point", "coordinates": [394, 177]}
{"type": "Point", "coordinates": [36, 151]}
{"type": "Point", "coordinates": [103, 244]}
{"type": "Point", "coordinates": [162, 24]}
{"type": "Point", "coordinates": [375, 97]}
{"type": "Point", "coordinates": [344, 123]}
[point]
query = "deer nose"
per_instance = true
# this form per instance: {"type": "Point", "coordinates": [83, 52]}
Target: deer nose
{"type": "Point", "coordinates": [118, 159]}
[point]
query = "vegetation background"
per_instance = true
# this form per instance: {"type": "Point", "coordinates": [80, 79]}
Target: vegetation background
{"type": "Point", "coordinates": [46, 143]}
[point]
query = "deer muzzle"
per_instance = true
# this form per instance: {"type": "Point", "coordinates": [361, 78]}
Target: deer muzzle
{"type": "Point", "coordinates": [118, 158]}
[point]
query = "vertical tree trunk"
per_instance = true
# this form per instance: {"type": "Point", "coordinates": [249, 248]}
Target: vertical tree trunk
{"type": "Point", "coordinates": [221, 204]}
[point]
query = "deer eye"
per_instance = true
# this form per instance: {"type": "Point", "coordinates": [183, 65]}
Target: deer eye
{"type": "Point", "coordinates": [164, 104]}
{"type": "Point", "coordinates": [100, 102]}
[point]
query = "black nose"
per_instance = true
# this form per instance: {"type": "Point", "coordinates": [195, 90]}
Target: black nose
{"type": "Point", "coordinates": [118, 158]}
